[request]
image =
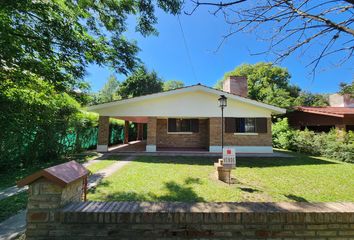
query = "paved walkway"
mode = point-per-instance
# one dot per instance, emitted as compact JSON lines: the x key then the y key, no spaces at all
{"x":16,"y":225}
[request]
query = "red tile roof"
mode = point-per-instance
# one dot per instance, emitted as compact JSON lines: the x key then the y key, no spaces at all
{"x":330,"y":111}
{"x":62,"y":174}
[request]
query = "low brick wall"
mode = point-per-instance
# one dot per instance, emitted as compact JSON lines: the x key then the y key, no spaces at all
{"x":143,"y":220}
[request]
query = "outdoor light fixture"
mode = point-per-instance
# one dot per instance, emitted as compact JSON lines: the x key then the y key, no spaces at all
{"x":222,"y":105}
{"x":222,"y":101}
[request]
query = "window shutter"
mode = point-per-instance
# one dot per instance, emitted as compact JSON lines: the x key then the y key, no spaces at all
{"x":261,"y":125}
{"x":230,"y":125}
{"x":195,"y":125}
{"x":240,"y":125}
{"x":172,"y":125}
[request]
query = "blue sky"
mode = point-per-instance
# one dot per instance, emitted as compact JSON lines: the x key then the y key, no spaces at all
{"x":167,"y":55}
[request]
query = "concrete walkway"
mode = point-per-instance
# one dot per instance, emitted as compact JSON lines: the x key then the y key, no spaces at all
{"x":16,"y":225}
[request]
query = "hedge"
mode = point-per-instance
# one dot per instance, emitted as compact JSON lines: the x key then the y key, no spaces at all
{"x":335,"y":144}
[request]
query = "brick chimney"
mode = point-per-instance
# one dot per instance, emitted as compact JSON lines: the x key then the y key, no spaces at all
{"x":236,"y":85}
{"x":337,"y":100}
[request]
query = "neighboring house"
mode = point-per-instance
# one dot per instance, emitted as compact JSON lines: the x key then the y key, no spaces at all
{"x":189,"y":118}
{"x":340,"y":115}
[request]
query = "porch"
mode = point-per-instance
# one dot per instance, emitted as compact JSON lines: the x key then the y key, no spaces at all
{"x":137,"y":148}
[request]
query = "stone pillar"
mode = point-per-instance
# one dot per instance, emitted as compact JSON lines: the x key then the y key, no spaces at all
{"x":126,"y":132}
{"x":45,"y":198}
{"x":215,"y":134}
{"x":140,"y":131}
{"x":151,"y":134}
{"x":103,"y":134}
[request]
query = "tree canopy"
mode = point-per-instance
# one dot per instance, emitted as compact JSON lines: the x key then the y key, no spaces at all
{"x":311,"y":99}
{"x":56,"y":40}
{"x":172,"y":84}
{"x":141,"y":82}
{"x":267,"y":83}
{"x":109,"y":91}
{"x":45,"y":47}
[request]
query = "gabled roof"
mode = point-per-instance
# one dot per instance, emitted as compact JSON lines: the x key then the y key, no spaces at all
{"x":197,"y":87}
{"x":329,"y":111}
{"x":62,"y":174}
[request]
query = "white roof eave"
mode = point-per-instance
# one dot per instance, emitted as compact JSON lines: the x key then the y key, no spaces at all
{"x":274,"y":109}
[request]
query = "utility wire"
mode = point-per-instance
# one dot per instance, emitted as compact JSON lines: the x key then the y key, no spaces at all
{"x":187,"y":50}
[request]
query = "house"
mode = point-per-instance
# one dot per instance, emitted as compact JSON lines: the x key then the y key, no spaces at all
{"x":339,"y":115}
{"x":189,"y":118}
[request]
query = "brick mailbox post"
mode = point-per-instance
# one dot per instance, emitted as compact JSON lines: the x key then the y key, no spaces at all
{"x":49,"y":190}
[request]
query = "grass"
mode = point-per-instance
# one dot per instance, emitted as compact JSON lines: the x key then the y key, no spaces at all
{"x":97,"y":166}
{"x":301,"y":178}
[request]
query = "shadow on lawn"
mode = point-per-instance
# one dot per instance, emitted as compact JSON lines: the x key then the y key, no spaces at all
{"x":175,"y":193}
{"x":240,"y":161}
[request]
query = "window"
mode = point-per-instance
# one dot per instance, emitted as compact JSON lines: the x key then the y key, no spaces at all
{"x":183,"y":125}
{"x":245,"y":125}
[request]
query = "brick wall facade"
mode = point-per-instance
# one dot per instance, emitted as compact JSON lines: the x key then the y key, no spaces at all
{"x":193,"y":140}
{"x":151,"y":131}
{"x":103,"y":130}
{"x":261,"y":139}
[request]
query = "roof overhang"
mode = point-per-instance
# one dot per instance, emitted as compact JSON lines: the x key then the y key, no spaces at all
{"x":193,"y":88}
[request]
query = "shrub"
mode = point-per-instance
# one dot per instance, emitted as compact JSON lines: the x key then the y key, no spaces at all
{"x":336,"y":144}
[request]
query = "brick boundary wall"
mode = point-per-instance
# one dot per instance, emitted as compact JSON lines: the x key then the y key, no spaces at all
{"x":56,"y":212}
{"x":143,"y":220}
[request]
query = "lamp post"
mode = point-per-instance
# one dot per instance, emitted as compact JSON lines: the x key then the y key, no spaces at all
{"x":222,"y":105}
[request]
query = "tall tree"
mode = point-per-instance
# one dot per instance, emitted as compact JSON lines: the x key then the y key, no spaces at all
{"x":290,"y":26}
{"x":267,"y":83}
{"x":141,"y":82}
{"x":311,"y":99}
{"x":172,"y":84}
{"x":109,"y":91}
{"x":57,"y":39}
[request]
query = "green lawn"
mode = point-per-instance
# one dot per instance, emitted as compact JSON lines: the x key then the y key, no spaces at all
{"x":301,"y":178}
{"x":97,"y":166}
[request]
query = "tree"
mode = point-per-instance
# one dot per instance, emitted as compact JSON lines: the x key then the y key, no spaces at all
{"x":141,"y":82}
{"x":311,"y":99}
{"x":267,"y":83}
{"x":172,"y":84}
{"x":293,"y":26}
{"x":56,"y":40}
{"x":109,"y":91}
{"x":346,"y":88}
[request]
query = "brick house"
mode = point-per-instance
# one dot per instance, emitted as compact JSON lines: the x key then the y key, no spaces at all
{"x":189,"y":118}
{"x":339,"y":115}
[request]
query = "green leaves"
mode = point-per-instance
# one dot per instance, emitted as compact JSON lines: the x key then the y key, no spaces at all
{"x":57,"y":39}
{"x":141,"y":82}
{"x":267,"y":83}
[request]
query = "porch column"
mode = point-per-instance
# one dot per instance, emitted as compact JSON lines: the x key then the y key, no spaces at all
{"x":139,"y":130}
{"x":126,"y":132}
{"x":215,"y":134}
{"x":151,"y":134}
{"x":103,"y":134}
